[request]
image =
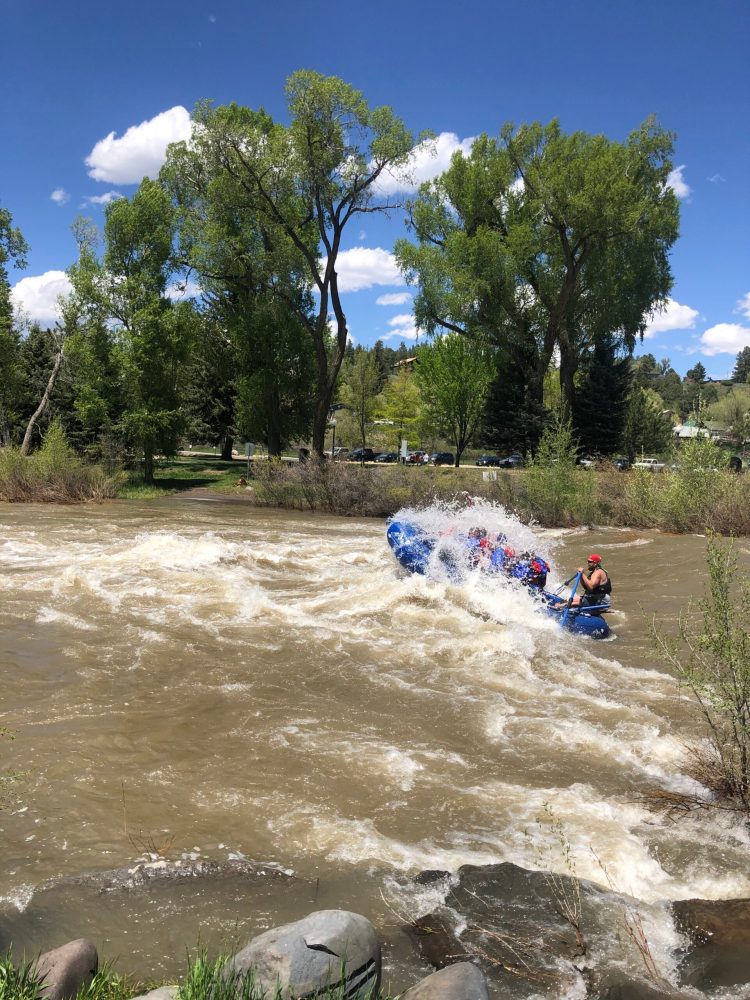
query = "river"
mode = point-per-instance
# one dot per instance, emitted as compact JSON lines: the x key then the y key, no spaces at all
{"x":211,"y":680}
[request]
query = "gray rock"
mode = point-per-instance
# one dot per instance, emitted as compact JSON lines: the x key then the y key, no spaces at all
{"x":65,"y":970}
{"x":718,"y":931}
{"x":324,"y":949}
{"x":163,"y":993}
{"x":462,"y":981}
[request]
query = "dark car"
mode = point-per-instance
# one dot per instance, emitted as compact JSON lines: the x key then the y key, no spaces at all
{"x":442,"y":458}
{"x":386,"y":456}
{"x":488,"y":460}
{"x":514,"y":461}
{"x":361,"y":455}
{"x":621,"y":463}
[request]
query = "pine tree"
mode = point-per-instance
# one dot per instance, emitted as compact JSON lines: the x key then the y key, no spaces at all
{"x":601,"y":400}
{"x":741,"y":372}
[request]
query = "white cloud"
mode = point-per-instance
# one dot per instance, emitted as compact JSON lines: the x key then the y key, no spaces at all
{"x":363,"y":267}
{"x":37,"y":296}
{"x":672,"y":317}
{"x":743,"y":306}
{"x":404,"y":328}
{"x":140,"y":152}
{"x":179,"y":290}
{"x":103,"y":199}
{"x":60,"y":196}
{"x":725,"y":338}
{"x":393,"y":299}
{"x":677,"y":182}
{"x":429,"y":159}
{"x":716,"y":178}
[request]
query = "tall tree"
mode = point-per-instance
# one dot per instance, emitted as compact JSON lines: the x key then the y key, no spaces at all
{"x":646,"y":429}
{"x":543,"y":241}
{"x":304,"y":184}
{"x":602,"y":399}
{"x":154,"y":333}
{"x":454,"y":374}
{"x":13,"y":250}
{"x":741,"y":371}
{"x":360,"y":385}
{"x":696,"y":374}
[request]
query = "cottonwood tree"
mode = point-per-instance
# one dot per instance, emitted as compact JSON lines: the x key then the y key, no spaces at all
{"x":153,"y":332}
{"x":543,"y":242}
{"x":360,"y":384}
{"x":303,"y":184}
{"x":454,"y":374}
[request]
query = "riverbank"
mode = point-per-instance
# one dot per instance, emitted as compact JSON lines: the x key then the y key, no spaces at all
{"x":676,"y":500}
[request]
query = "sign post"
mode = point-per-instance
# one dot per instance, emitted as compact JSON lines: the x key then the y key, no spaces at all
{"x":249,"y":449}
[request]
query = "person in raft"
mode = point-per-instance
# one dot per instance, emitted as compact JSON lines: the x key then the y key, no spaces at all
{"x":596,"y":583}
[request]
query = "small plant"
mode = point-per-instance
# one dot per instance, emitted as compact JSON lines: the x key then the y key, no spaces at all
{"x":711,"y":658}
{"x":18,"y":982}
{"x":565,"y":888}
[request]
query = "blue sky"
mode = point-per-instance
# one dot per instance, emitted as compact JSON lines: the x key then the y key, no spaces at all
{"x":76,"y":77}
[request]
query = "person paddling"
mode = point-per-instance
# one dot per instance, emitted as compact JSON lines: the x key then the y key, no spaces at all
{"x":596,"y":583}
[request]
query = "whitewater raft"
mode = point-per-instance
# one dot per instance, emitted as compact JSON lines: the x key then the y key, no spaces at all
{"x":420,"y":552}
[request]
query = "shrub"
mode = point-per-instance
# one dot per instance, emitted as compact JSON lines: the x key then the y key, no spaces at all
{"x":711,"y":657}
{"x":53,"y":474}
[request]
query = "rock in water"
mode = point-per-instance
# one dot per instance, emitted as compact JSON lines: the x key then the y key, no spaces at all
{"x":719,"y":935}
{"x":65,"y":970}
{"x":328,"y":948}
{"x":463,"y":981}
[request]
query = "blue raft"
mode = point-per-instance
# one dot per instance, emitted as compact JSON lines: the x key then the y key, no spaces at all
{"x":413,"y":548}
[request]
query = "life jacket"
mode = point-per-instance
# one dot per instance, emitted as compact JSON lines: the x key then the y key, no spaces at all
{"x":603,"y":589}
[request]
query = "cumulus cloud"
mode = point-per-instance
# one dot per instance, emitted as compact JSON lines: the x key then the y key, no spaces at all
{"x":103,"y":199}
{"x":60,"y":196}
{"x":672,"y":317}
{"x":404,"y":328}
{"x":184,"y":290}
{"x":36,"y":296}
{"x":677,"y":182}
{"x":141,"y":151}
{"x":725,"y":338}
{"x":743,"y":306}
{"x":428,"y":159}
{"x":363,"y":267}
{"x":393,"y":299}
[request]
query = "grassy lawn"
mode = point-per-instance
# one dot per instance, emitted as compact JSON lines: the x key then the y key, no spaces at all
{"x":184,"y":473}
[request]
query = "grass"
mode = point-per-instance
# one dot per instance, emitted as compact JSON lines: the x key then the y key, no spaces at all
{"x":184,"y":473}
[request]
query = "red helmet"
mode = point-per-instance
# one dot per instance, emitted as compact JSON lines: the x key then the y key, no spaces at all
{"x":595,"y":559}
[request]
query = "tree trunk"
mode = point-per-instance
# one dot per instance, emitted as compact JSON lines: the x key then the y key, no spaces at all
{"x":226,"y":448}
{"x":26,"y":445}
{"x":273,"y":432}
{"x":568,"y":367}
{"x":148,"y":464}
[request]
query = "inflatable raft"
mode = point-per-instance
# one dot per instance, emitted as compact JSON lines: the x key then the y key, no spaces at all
{"x":420,"y":552}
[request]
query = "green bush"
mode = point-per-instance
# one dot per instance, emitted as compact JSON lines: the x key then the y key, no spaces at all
{"x":54,"y":474}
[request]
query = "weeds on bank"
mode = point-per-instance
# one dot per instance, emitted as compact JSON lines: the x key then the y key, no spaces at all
{"x":710,"y":655}
{"x":53,"y":474}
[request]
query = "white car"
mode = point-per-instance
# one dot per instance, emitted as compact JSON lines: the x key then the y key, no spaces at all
{"x":652,"y":464}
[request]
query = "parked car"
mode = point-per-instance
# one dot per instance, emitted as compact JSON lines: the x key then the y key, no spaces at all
{"x":387,"y":456}
{"x":652,"y":464}
{"x":442,"y":458}
{"x":416,"y":457}
{"x":514,"y":461}
{"x":361,"y":455}
{"x":586,"y":461}
{"x":340,"y":452}
{"x":488,"y":460}
{"x":621,"y":463}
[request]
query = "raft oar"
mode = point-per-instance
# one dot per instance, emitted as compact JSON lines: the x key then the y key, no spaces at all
{"x":570,"y":600}
{"x":565,"y":583}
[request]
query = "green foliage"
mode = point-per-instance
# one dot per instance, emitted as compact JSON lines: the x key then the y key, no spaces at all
{"x":647,"y":429}
{"x":454,"y":373}
{"x":401,"y":401}
{"x":361,"y":378}
{"x":54,"y":473}
{"x":13,"y":251}
{"x":741,"y":370}
{"x":711,"y":658}
{"x":557,"y":492}
{"x":17,"y":982}
{"x":601,"y":402}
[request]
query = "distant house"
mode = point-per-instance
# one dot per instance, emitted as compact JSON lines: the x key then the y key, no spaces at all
{"x":711,"y":429}
{"x":407,"y":363}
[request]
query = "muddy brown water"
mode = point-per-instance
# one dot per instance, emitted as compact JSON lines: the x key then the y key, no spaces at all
{"x":198,"y":680}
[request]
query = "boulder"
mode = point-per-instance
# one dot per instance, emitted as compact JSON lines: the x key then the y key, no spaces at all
{"x":63,"y":971}
{"x":328,"y":948}
{"x":718,"y":932}
{"x":462,"y":981}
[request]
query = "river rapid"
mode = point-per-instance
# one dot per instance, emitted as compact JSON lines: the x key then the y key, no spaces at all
{"x":196,"y":678}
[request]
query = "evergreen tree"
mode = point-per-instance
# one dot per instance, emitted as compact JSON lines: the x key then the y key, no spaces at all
{"x":647,"y":429}
{"x":697,"y":374}
{"x":13,"y":250}
{"x":601,"y":402}
{"x":513,"y":416}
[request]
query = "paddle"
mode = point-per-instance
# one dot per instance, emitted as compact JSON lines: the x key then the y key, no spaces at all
{"x":565,"y":583}
{"x":570,"y":600}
